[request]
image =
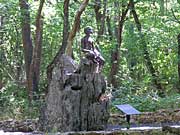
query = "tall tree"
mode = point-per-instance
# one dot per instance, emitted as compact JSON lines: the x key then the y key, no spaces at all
{"x":109,"y":27}
{"x":147,"y":58}
{"x":36,"y":58}
{"x":27,"y":40}
{"x":115,"y":56}
{"x":32,"y":57}
{"x":64,"y":41}
{"x":178,"y":41}
{"x":68,"y":37}
{"x":1,"y":41}
{"x":1,"y":25}
{"x":97,"y":9}
{"x":75,"y":27}
{"x":100,"y":11}
{"x":162,"y":7}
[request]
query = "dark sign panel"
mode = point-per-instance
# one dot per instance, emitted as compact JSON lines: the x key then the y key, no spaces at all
{"x":127,"y":109}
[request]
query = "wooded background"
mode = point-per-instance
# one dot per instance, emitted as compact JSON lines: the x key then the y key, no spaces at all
{"x":139,"y":39}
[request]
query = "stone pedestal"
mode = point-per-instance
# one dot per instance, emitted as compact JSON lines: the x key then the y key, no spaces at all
{"x":72,"y":102}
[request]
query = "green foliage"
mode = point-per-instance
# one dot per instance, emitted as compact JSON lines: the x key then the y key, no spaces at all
{"x":178,"y":1}
{"x":14,"y":103}
{"x":148,"y":101}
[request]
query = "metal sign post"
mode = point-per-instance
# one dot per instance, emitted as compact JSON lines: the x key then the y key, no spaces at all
{"x":128,"y":110}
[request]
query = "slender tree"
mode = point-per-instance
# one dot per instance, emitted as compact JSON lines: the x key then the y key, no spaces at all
{"x":147,"y":58}
{"x":178,"y":41}
{"x":64,"y":42}
{"x":1,"y":26}
{"x":115,"y":56}
{"x":36,"y":58}
{"x":27,"y":41}
{"x":162,"y":7}
{"x":100,"y":16}
{"x":68,"y":37}
{"x":1,"y":42}
{"x":75,"y":27}
{"x":109,"y":27}
{"x":32,"y":57}
{"x":97,"y":9}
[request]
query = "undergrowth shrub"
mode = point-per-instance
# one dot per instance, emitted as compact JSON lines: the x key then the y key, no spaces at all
{"x":149,"y":101}
{"x":14,"y":103}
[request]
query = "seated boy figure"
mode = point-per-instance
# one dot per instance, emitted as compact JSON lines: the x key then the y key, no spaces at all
{"x":91,"y":52}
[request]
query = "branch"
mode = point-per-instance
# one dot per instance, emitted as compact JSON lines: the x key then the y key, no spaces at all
{"x":121,"y":23}
{"x":38,"y":38}
{"x":65,"y":27}
{"x":75,"y":27}
{"x":67,"y":37}
{"x":177,"y":20}
{"x":101,"y":31}
{"x":136,"y":19}
{"x":34,"y":73}
{"x":26,"y":34}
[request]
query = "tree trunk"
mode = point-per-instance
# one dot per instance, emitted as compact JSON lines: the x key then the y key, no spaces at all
{"x":162,"y":7}
{"x":146,"y":53}
{"x":100,"y":17}
{"x":64,"y":43}
{"x":32,"y":57}
{"x":115,"y":56}
{"x":36,"y":61}
{"x":109,"y":27}
{"x":1,"y":83}
{"x":65,"y":27}
{"x":27,"y":41}
{"x":1,"y":53}
{"x":178,"y":38}
{"x":75,"y":27}
{"x":1,"y":26}
{"x":97,"y":8}
{"x":102,"y":27}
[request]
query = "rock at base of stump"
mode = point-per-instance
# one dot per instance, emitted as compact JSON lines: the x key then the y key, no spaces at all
{"x":72,"y":102}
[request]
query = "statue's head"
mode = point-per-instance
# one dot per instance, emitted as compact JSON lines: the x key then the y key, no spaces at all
{"x":88,"y":30}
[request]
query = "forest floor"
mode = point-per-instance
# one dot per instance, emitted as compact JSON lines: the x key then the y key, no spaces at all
{"x":117,"y":122}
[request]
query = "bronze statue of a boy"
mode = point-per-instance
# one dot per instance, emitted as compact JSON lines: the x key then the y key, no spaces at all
{"x":90,"y":50}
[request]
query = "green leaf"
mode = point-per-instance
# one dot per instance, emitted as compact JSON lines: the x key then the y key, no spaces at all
{"x":178,"y":1}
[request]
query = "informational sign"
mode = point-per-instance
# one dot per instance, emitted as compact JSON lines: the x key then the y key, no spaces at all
{"x":127,"y":109}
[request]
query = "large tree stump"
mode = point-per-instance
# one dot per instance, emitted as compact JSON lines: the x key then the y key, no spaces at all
{"x":72,"y":102}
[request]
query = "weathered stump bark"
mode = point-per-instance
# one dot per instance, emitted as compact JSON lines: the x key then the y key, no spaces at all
{"x":72,"y":102}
